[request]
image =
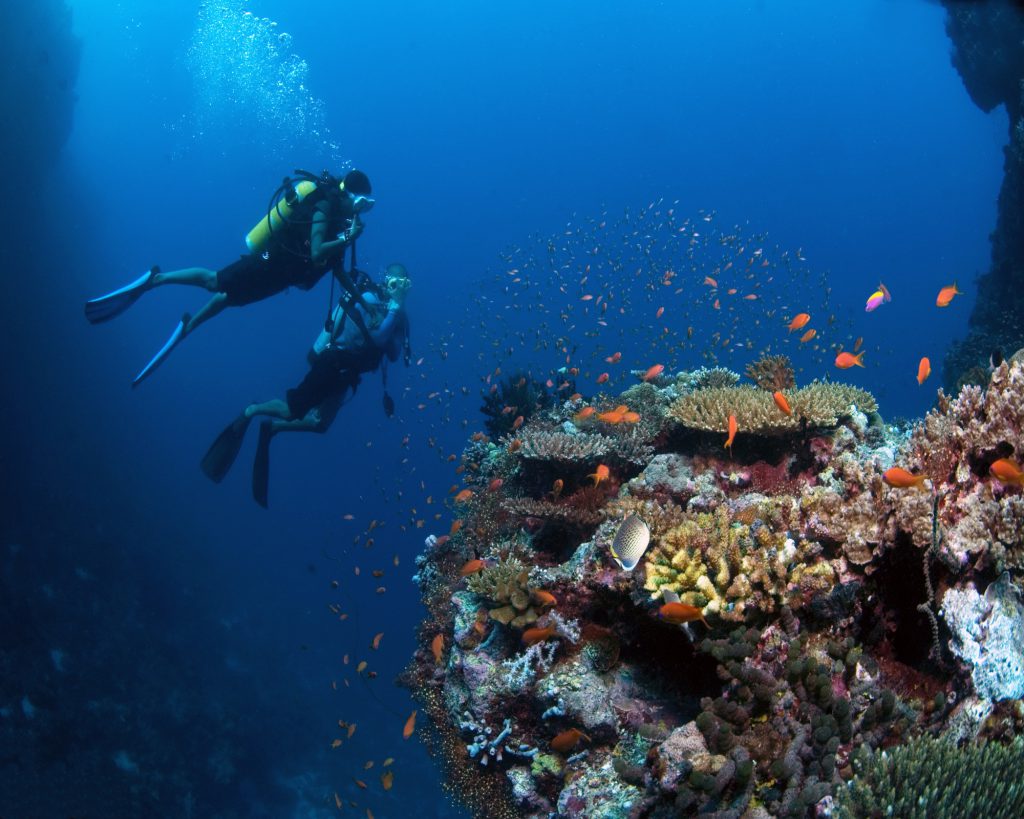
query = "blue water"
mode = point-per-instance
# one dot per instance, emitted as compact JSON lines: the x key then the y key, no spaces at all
{"x":193,"y":627}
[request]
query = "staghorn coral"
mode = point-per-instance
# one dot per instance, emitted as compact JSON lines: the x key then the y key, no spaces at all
{"x":817,"y":405}
{"x":934,"y":778}
{"x":736,"y":569}
{"x":561,"y":447}
{"x":772,"y":372}
{"x":507,"y":585}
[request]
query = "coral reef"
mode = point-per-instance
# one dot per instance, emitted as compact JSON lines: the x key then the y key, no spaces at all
{"x":935,"y":779}
{"x":819,"y":614}
{"x":772,"y":372}
{"x":518,"y":396}
{"x":816,"y":405}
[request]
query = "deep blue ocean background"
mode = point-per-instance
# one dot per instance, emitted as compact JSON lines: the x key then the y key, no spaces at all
{"x":191,"y":628}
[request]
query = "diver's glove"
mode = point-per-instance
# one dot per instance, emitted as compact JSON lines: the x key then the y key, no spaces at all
{"x":353,"y":232}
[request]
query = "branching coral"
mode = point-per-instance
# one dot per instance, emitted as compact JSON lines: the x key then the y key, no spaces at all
{"x":772,"y":372}
{"x":734,"y":569}
{"x":561,"y":447}
{"x":506,"y":584}
{"x":934,"y":778}
{"x":564,"y":514}
{"x":711,"y":377}
{"x":817,"y":405}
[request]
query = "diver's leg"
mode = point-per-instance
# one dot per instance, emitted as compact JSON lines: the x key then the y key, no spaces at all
{"x":212,"y":308}
{"x":275,"y":408}
{"x":194,"y":276}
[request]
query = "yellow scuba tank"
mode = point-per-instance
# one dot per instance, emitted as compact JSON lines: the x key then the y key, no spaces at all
{"x":259,"y":237}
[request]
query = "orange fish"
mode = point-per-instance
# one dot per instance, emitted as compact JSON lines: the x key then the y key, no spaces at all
{"x":710,"y":282}
{"x":614,"y":358}
{"x":782,"y":403}
{"x":679,"y":613}
{"x":798,"y":322}
{"x":630,"y":417}
{"x":808,"y":335}
{"x":584,"y":414}
{"x":493,"y":486}
{"x":1007,"y":471}
{"x":538,"y":634}
{"x":457,"y":524}
{"x":556,"y":488}
{"x":717,"y":305}
{"x":846,"y":360}
{"x":437,"y":648}
{"x":924,"y":369}
{"x":410,"y":726}
{"x":387,"y":780}
{"x":857,"y":343}
{"x":567,"y":740}
{"x":660,"y":313}
{"x":517,"y":423}
{"x":514,"y":445}
{"x":653,"y":372}
{"x":610,"y":417}
{"x":946,"y":295}
{"x":544,"y":598}
{"x":471,"y":567}
{"x":602,"y":378}
{"x":600,"y":474}
{"x":733,"y":429}
{"x":901,"y":479}
{"x":464,"y":496}
{"x":376,"y":640}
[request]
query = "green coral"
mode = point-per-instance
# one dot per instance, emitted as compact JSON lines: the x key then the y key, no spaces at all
{"x":546,"y":764}
{"x":818,"y":405}
{"x":933,"y":778}
{"x":507,"y":585}
{"x":733,"y":567}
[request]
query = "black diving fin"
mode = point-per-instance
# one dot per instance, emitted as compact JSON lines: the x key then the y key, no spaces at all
{"x":221,"y":455}
{"x":261,"y":466}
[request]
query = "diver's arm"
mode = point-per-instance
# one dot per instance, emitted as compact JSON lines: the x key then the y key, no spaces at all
{"x":321,"y":249}
{"x":381,"y":334}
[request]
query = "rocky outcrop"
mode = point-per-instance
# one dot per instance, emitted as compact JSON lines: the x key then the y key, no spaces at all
{"x":988,"y":53}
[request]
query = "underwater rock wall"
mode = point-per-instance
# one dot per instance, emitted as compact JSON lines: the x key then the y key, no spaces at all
{"x":37,"y":86}
{"x":988,"y":53}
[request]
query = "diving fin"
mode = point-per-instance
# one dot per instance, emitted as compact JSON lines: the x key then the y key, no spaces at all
{"x":222,"y":452}
{"x":158,"y":359}
{"x":114,"y":304}
{"x":261,"y":466}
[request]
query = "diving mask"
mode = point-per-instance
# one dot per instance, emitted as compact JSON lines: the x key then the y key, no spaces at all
{"x":361,"y":204}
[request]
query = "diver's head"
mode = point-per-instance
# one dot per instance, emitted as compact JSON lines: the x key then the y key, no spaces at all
{"x":397,"y":282}
{"x":357,"y":185}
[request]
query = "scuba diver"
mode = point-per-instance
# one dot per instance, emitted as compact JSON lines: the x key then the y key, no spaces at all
{"x":362,"y":334}
{"x":310,"y":223}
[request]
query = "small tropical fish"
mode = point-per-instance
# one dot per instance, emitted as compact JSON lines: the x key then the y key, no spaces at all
{"x":602,"y":473}
{"x":846,"y":360}
{"x":781,"y":402}
{"x":1007,"y":471}
{"x":946,"y":295}
{"x":351,"y":730}
{"x":924,"y":369}
{"x":878,"y":298}
{"x":610,"y":417}
{"x":899,"y":478}
{"x":653,"y":372}
{"x":495,"y":485}
{"x":538,"y":634}
{"x":660,"y":313}
{"x":799,"y":321}
{"x":544,"y":598}
{"x":376,"y":640}
{"x":464,"y":496}
{"x":631,"y":541}
{"x":556,"y":488}
{"x":567,"y":740}
{"x":857,"y":343}
{"x":471,"y":567}
{"x":808,"y":335}
{"x":733,"y":429}
{"x":630,"y":417}
{"x":457,"y":524}
{"x":514,"y":445}
{"x":614,"y":358}
{"x":517,"y":423}
{"x":437,"y":648}
{"x":410,"y":726}
{"x":710,"y":282}
{"x":387,"y":779}
{"x":584,"y":414}
{"x":361,"y":667}
{"x":679,"y":613}
{"x":602,"y":378}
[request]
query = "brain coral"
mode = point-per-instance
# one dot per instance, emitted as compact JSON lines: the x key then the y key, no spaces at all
{"x":822,"y":405}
